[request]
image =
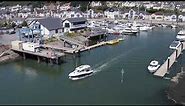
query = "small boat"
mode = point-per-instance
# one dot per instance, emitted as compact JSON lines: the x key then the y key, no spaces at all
{"x":80,"y":72}
{"x":120,"y":39}
{"x":129,"y":31}
{"x":154,"y":65}
{"x":175,"y":45}
{"x":164,"y":25}
{"x":173,"y":26}
{"x":181,"y":35}
{"x":113,"y":41}
{"x":144,"y":28}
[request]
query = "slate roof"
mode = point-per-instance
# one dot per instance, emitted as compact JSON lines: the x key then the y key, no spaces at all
{"x":51,"y":23}
{"x":79,"y":19}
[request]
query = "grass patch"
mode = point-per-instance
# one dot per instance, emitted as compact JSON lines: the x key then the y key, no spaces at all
{"x":49,"y":40}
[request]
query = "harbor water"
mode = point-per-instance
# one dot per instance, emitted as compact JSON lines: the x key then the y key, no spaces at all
{"x":29,"y":82}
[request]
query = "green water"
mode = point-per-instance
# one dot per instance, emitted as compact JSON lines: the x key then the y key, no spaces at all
{"x":27,"y":82}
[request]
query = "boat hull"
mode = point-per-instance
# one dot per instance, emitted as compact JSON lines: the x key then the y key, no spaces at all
{"x":153,"y":69}
{"x":80,"y":76}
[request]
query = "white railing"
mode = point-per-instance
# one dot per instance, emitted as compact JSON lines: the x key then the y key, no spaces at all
{"x":78,"y":26}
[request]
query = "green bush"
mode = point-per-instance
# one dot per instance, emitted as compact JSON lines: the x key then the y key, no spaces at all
{"x":70,"y":34}
{"x":52,"y":39}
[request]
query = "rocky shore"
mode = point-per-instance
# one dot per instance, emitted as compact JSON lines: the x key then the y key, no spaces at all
{"x":6,"y":54}
{"x":176,"y":90}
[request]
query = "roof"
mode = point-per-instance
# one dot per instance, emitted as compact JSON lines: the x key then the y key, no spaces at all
{"x":159,"y":13}
{"x":51,"y":23}
{"x":82,"y":67}
{"x":79,"y":19}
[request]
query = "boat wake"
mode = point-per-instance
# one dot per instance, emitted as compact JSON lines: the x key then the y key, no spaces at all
{"x":109,"y":62}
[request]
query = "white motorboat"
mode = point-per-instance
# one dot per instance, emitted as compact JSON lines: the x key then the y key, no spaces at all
{"x":164,"y":25}
{"x":154,"y":65}
{"x":143,"y":28}
{"x":80,"y":72}
{"x":173,"y":26}
{"x":129,"y":31}
{"x":175,"y":45}
{"x":181,"y":35}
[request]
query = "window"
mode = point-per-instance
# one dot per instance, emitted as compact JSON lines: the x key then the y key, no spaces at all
{"x":72,"y":15}
{"x":56,"y":31}
{"x":67,"y":25}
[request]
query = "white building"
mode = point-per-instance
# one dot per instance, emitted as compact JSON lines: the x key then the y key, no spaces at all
{"x":95,"y":4}
{"x":74,"y":24}
{"x":71,"y":14}
{"x":48,"y":26}
{"x":112,"y":13}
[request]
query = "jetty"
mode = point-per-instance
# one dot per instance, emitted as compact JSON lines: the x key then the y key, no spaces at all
{"x":163,"y":69}
{"x":41,"y":53}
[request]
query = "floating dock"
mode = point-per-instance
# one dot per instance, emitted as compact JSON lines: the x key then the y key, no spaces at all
{"x":163,"y":69}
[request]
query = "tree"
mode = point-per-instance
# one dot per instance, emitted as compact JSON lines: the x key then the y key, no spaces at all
{"x":151,"y":10}
{"x":24,"y":23}
{"x":13,"y":25}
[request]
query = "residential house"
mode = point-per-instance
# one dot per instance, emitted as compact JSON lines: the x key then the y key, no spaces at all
{"x":24,"y":14}
{"x":90,"y":13}
{"x":49,"y":26}
{"x":157,"y":6}
{"x":74,"y":24}
{"x":73,"y":13}
{"x":182,"y":8}
{"x":170,"y":16}
{"x":95,"y":4}
{"x":157,"y":16}
{"x":112,"y":13}
{"x":18,"y":21}
{"x":39,"y":12}
{"x":147,"y":5}
{"x":15,"y":8}
{"x":132,"y":14}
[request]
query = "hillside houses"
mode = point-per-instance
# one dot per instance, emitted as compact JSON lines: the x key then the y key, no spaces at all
{"x":116,"y":10}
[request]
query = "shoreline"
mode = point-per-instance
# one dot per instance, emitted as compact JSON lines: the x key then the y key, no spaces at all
{"x":6,"y":54}
{"x":175,"y":91}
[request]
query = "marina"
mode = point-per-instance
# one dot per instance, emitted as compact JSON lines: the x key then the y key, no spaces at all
{"x":92,"y":52}
{"x":133,"y":55}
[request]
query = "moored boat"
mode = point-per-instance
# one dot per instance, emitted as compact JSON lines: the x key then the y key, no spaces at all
{"x":153,"y":66}
{"x":113,"y":41}
{"x":129,"y":31}
{"x":181,"y":35}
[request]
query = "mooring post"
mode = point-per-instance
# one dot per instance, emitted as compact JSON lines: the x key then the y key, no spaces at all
{"x":176,"y":52}
{"x":168,"y":63}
